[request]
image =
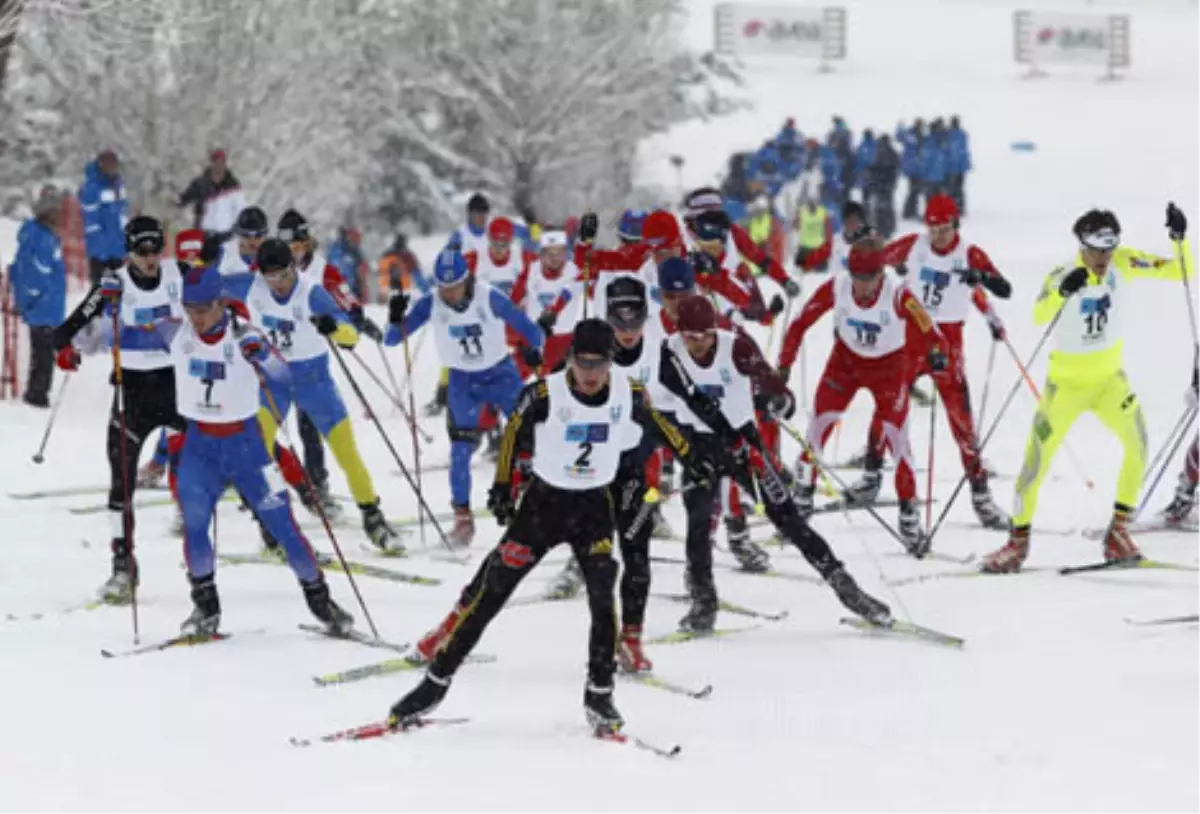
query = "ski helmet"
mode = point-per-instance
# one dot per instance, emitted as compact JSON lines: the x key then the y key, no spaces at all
{"x":450,"y":268}
{"x":273,"y":255}
{"x":630,"y":226}
{"x":201,"y":285}
{"x":501,"y":230}
{"x":292,"y":227}
{"x":251,"y":222}
{"x":626,"y":298}
{"x":144,"y":233}
{"x":941,"y":209}
{"x":478,"y":203}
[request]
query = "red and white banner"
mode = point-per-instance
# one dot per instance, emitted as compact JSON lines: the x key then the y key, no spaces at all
{"x":798,"y":31}
{"x":1045,"y":38}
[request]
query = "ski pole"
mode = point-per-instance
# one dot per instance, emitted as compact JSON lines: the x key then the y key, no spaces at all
{"x":1191,"y":414}
{"x":424,"y":505}
{"x":127,"y":508}
{"x":829,"y":473}
{"x":408,"y":417}
{"x":1183,"y":266}
{"x":39,"y":456}
{"x":1183,"y":419}
{"x":1022,"y":377}
{"x":929,"y":463}
{"x":412,"y":414}
{"x":1037,"y":394}
{"x":337,"y":549}
{"x":987,"y":385}
{"x":408,"y":381}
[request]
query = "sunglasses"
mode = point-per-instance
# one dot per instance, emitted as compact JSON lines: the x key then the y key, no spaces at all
{"x":1104,"y":240}
{"x":627,"y":321}
{"x":147,"y":251}
{"x":592,"y":362}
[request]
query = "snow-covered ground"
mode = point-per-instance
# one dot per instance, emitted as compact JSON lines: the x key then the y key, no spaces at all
{"x":1055,"y":703}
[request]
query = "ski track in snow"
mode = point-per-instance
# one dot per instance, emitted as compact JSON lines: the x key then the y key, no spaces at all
{"x":1055,"y":703}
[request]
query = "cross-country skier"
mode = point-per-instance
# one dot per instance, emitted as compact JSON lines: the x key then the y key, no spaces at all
{"x":249,"y":231}
{"x":152,"y":290}
{"x":945,"y":272}
{"x":579,"y":422}
{"x":1086,"y":373}
{"x":298,"y":315}
{"x":551,"y":293}
{"x":729,"y":367}
{"x":500,"y":264}
{"x":879,"y":326}
{"x":218,"y":364}
{"x":469,"y":317}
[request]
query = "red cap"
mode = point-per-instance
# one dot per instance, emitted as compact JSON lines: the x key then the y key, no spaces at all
{"x":188,"y":244}
{"x":660,"y":229}
{"x":696,"y":315}
{"x":940,"y":209}
{"x":217,"y":155}
{"x":865,"y":261}
{"x":501,"y":230}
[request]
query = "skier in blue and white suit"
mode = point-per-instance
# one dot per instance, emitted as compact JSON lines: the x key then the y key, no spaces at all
{"x":219,"y":364}
{"x":469,"y":317}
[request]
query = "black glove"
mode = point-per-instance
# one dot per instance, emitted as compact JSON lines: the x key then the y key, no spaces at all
{"x":701,"y":468}
{"x":781,"y":405}
{"x":397,"y":308}
{"x":901,"y":269}
{"x":368,"y":328}
{"x":735,"y":459}
{"x":792,"y":289}
{"x":589,"y":224}
{"x":801,"y":256}
{"x":546,"y":322}
{"x":500,"y":503}
{"x":703,"y":262}
{"x":937,"y":360}
{"x":1074,"y":281}
{"x":210,"y":252}
{"x":326,"y":324}
{"x":971,"y":276}
{"x":531,"y":356}
{"x":777,"y":305}
{"x":1176,"y":222}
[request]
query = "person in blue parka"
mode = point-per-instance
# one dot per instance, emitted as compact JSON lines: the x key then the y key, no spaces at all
{"x":39,"y":285}
{"x":105,"y":212}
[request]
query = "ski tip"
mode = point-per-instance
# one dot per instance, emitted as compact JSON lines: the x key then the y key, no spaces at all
{"x":703,"y":692}
{"x":108,"y":654}
{"x":299,"y":742}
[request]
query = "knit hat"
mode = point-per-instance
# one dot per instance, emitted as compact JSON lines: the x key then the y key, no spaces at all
{"x":593,"y":336}
{"x":696,"y":315}
{"x":201,"y":285}
{"x":676,"y":274}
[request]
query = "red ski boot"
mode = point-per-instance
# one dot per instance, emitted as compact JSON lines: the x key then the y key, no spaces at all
{"x":630,"y":657}
{"x":435,"y":640}
{"x":1009,"y":558}
{"x":464,"y":527}
{"x":1118,"y":545}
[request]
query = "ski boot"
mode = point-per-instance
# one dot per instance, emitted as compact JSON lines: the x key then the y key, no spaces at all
{"x":316,"y":594}
{"x":662,"y":529}
{"x":569,"y":581}
{"x":463,"y":532}
{"x":804,"y":496}
{"x":749,"y":554}
{"x":915,"y":540}
{"x":321,"y":497}
{"x":151,"y":475}
{"x":702,"y":616}
{"x":1009,"y":558}
{"x":119,"y":587}
{"x":856,"y":461}
{"x":990,"y":515}
{"x":436,"y":639}
{"x":206,"y":608}
{"x":602,"y":716}
{"x":1182,"y":505}
{"x":1118,"y":545}
{"x":438,"y":405}
{"x":865,"y":490}
{"x":419,"y":702}
{"x":630,"y":657}
{"x":381,"y":534}
{"x":856,"y":600}
{"x":666,"y":485}
{"x":920,"y":397}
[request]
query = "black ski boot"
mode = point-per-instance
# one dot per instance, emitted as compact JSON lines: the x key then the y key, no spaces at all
{"x":856,"y":600}
{"x":702,"y":616}
{"x":376,"y":526}
{"x":915,"y":540}
{"x":316,"y":594}
{"x":420,"y":700}
{"x":602,"y":716}
{"x":331,"y":507}
{"x":119,"y":587}
{"x":749,"y":554}
{"x":990,"y":515}
{"x":438,"y":405}
{"x":206,"y":611}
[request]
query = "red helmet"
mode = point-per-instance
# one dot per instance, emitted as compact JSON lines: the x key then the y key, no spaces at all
{"x":500,"y":230}
{"x":941,"y":209}
{"x":696,"y":315}
{"x":660,"y":229}
{"x":188,"y":244}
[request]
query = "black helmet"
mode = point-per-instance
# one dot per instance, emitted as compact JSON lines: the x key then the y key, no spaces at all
{"x":144,"y":232}
{"x":273,"y":254}
{"x":292,"y":227}
{"x":478,"y":203}
{"x":251,"y":222}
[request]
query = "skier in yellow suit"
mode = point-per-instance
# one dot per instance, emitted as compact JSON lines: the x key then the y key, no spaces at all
{"x":1086,"y":374}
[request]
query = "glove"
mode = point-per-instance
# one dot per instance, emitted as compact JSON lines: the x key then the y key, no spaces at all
{"x":701,"y":468}
{"x":777,"y":305}
{"x":115,"y":263}
{"x":110,"y":288}
{"x":1074,"y":281}
{"x":997,"y":329}
{"x":901,"y":269}
{"x":67,"y":358}
{"x":785,"y":373}
{"x":937,"y":360}
{"x":369,"y":329}
{"x":779,"y":405}
{"x":546,"y":322}
{"x":252,"y":347}
{"x":532,"y":357}
{"x":500,"y":503}
{"x":792,"y":289}
{"x":971,"y":276}
{"x":801,"y":257}
{"x":703,"y":262}
{"x":326,"y":324}
{"x":589,"y":224}
{"x":1176,"y":222}
{"x":397,"y":308}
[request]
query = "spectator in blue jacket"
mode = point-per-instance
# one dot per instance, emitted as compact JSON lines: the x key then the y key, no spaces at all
{"x":864,"y":157}
{"x":788,"y":134}
{"x":347,"y":256}
{"x":911,"y":139}
{"x":105,"y":211}
{"x":39,"y":286}
{"x":958,"y":162}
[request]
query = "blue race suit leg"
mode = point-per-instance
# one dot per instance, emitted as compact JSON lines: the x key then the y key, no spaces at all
{"x":200,"y":486}
{"x":464,"y":401}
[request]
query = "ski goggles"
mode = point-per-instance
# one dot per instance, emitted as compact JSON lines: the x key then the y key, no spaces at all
{"x":591,"y":361}
{"x":627,"y":318}
{"x":1102,"y":240}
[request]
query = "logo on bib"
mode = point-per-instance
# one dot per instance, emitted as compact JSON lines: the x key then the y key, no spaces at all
{"x":714,"y":391}
{"x":933,"y":277}
{"x":587,"y":434}
{"x":144,"y":316}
